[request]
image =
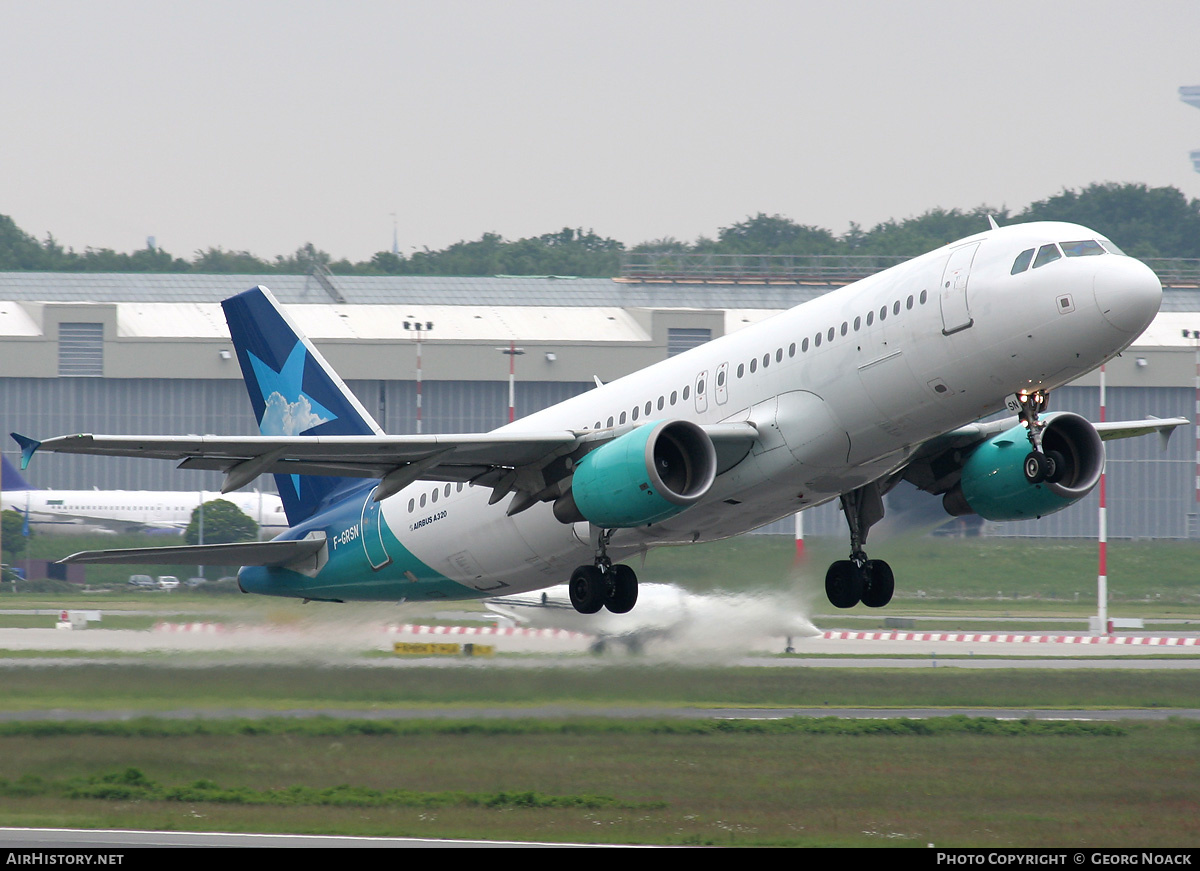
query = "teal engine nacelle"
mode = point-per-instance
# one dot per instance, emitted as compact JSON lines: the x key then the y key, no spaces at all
{"x":644,"y":476}
{"x":993,"y":483}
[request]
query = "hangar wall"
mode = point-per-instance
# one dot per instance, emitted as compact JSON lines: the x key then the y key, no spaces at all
{"x":1150,"y":490}
{"x":165,"y":373}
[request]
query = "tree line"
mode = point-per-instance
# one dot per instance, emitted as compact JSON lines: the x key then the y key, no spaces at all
{"x":1146,"y":222}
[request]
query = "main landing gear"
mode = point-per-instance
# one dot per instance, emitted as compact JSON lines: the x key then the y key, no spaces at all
{"x":1040,"y":464}
{"x":859,"y":579}
{"x":602,"y":584}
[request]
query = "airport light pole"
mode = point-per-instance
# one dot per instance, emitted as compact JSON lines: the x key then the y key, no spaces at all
{"x":513,"y":352}
{"x":419,"y":328}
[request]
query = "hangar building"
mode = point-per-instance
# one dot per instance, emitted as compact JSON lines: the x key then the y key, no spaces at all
{"x":149,"y":353}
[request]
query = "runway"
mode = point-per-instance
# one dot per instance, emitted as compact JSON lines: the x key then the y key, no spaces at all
{"x":544,"y":647}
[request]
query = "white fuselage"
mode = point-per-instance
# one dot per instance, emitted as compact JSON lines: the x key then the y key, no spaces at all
{"x":842,"y":390}
{"x":53,"y":511}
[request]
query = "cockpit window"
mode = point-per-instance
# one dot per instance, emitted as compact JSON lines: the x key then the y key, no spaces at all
{"x":1086,"y":248}
{"x":1113,"y":249}
{"x":1046,"y":254}
{"x":1022,"y":261}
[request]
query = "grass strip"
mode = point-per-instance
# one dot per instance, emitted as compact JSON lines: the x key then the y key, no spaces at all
{"x":146,"y":688}
{"x":330,"y":727}
{"x":132,"y":785}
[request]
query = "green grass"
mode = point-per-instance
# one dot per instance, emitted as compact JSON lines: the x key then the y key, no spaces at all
{"x":631,"y":780}
{"x":931,"y":572}
{"x":175,"y":683}
{"x":1132,"y":785}
{"x":1059,"y":573}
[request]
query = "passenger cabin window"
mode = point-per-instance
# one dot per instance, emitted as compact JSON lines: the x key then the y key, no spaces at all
{"x":1086,"y":248}
{"x":1022,"y":261}
{"x":1046,"y":254}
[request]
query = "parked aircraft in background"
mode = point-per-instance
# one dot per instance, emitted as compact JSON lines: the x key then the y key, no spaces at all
{"x":839,"y":398}
{"x":664,"y":613}
{"x":77,"y":511}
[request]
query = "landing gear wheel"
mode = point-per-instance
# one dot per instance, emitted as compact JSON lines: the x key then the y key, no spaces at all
{"x":588,"y":589}
{"x":1036,"y":467}
{"x":624,"y":593}
{"x":843,"y":584}
{"x":1056,"y":466}
{"x":880,"y":584}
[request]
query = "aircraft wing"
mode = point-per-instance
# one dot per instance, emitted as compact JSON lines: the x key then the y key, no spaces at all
{"x":253,"y":553}
{"x":934,"y":466}
{"x":1125,"y":429}
{"x":528,"y":462}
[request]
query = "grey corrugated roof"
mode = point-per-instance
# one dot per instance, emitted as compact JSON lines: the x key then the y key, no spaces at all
{"x":398,"y":290}
{"x":1179,"y":299}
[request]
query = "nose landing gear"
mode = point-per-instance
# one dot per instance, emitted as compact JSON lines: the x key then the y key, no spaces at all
{"x":1040,"y":465}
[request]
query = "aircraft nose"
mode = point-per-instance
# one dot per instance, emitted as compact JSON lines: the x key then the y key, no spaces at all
{"x":1127,"y":292}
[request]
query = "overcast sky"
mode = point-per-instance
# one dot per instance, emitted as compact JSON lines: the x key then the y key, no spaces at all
{"x":260,"y":126}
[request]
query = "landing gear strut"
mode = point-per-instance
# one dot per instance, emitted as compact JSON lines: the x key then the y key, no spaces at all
{"x":859,"y":579}
{"x":602,"y":584}
{"x":1040,"y":465}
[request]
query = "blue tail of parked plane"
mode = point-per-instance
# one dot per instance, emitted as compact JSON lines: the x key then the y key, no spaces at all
{"x":293,"y":392}
{"x":10,"y":478}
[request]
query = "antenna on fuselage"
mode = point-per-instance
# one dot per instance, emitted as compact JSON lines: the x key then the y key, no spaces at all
{"x":992,"y":221}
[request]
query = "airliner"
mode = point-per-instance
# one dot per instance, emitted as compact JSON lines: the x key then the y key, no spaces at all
{"x":664,"y":613}
{"x":840,"y":398}
{"x":111,"y":511}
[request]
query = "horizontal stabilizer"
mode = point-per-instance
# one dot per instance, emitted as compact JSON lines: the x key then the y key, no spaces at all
{"x":254,"y":553}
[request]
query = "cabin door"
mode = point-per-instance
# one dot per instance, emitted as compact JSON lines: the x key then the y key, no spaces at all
{"x":372,"y":533}
{"x":956,"y":315}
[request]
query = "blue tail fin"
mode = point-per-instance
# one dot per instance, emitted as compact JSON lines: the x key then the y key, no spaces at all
{"x":294,"y":392}
{"x":10,"y":478}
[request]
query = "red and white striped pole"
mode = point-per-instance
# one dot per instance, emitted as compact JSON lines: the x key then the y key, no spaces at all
{"x":512,"y":381}
{"x":799,"y":558}
{"x":418,"y":327}
{"x":513,"y":352}
{"x":1195,"y":335}
{"x":1102,"y":579}
{"x":418,"y":380}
